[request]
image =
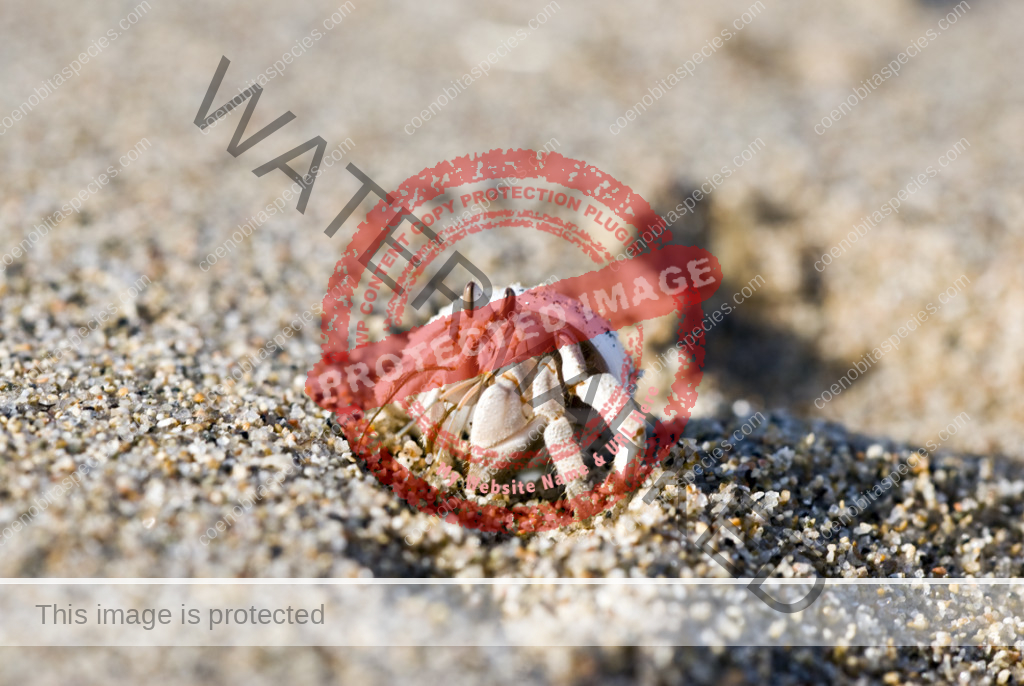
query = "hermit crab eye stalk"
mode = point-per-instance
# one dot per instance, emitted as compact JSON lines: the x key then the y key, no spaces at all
{"x":469,"y":298}
{"x":509,"y":303}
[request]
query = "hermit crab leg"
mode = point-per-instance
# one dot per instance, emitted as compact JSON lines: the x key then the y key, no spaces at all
{"x":430,"y":399}
{"x":481,"y":384}
{"x":458,"y":386}
{"x":558,"y":434}
{"x":609,"y":399}
{"x":420,"y":411}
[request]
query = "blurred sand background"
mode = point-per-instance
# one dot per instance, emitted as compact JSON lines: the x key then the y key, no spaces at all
{"x":774,"y":217}
{"x":364,"y":80}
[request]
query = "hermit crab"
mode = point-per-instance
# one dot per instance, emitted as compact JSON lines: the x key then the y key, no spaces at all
{"x":513,"y":398}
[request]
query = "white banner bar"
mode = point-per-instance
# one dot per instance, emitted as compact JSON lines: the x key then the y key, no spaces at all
{"x":499,"y":612}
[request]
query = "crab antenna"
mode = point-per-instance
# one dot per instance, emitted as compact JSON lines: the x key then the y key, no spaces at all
{"x":509,"y":303}
{"x":469,"y":298}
